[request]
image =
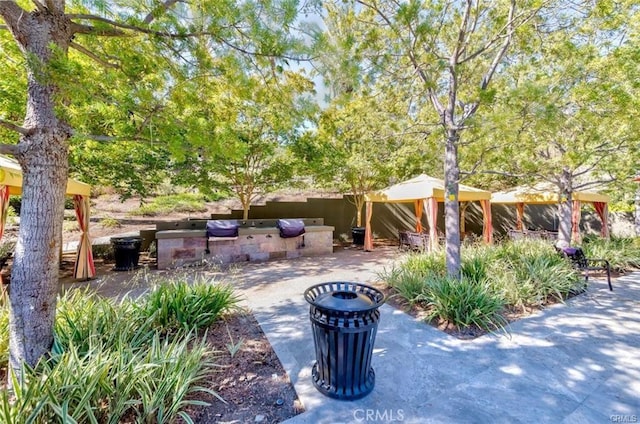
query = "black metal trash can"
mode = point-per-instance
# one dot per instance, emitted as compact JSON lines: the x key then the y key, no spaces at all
{"x":126,"y":251}
{"x":357,"y":233}
{"x":344,"y":319}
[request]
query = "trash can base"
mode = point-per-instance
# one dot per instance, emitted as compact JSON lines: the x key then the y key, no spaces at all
{"x":337,"y":393}
{"x":125,"y":268}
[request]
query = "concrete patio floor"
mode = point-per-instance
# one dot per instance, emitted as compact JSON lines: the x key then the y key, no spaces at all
{"x":577,"y":362}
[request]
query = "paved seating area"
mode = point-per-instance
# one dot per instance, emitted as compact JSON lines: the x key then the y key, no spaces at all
{"x":572,"y":363}
{"x":577,"y":362}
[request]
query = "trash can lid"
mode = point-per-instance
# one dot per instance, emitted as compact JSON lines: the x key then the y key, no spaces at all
{"x":342,"y":300}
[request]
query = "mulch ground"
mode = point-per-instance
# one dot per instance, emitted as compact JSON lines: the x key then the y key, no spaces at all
{"x":252,"y":381}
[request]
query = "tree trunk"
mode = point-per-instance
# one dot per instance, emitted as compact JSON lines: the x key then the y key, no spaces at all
{"x":359,"y":201}
{"x":451,"y":205}
{"x":637,"y":212}
{"x":44,"y":160}
{"x":565,"y":208}
{"x":245,"y":210}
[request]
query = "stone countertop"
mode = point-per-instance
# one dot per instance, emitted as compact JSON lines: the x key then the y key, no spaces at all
{"x":169,"y":234}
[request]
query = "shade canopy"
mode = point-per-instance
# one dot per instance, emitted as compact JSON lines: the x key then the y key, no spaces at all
{"x":425,"y":192}
{"x":424,"y":187}
{"x":543,"y":194}
{"x":11,"y":176}
{"x":547,"y":194}
{"x":11,"y":183}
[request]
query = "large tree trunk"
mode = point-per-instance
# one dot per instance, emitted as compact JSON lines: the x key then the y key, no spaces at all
{"x":451,"y":205}
{"x":43,"y":155}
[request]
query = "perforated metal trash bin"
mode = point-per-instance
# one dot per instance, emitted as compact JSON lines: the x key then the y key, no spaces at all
{"x":126,"y":251}
{"x":344,"y":319}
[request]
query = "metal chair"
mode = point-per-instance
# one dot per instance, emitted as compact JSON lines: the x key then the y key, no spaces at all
{"x":413,"y":241}
{"x":584,"y":264}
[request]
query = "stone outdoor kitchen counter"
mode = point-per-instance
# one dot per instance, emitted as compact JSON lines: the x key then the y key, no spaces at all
{"x":184,"y":246}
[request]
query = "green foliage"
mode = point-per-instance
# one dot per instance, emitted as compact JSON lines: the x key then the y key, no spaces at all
{"x":516,"y":274}
{"x":6,"y":248}
{"x":233,"y":347}
{"x":533,"y":274}
{"x":84,"y":319}
{"x":179,"y":305}
{"x":110,"y":384}
{"x":411,"y":278}
{"x":175,"y":203}
{"x":464,"y":303}
{"x":109,"y":222}
{"x":622,"y":253}
{"x":135,"y":360}
{"x":408,"y":285}
{"x":4,"y":330}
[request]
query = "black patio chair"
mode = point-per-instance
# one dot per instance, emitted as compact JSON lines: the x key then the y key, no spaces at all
{"x":413,"y":241}
{"x":584,"y":264}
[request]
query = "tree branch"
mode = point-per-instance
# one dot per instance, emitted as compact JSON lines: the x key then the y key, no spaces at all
{"x":39,"y":5}
{"x":9,"y":149}
{"x":92,"y":55}
{"x":594,"y":183}
{"x":118,"y":28}
{"x":162,"y":8}
{"x":109,"y":138}
{"x":11,"y":13}
{"x":14,"y":127}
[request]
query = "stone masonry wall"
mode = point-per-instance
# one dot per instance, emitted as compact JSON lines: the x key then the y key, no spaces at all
{"x":174,"y":252}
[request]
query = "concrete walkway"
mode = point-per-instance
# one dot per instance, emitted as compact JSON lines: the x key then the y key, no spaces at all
{"x":572,"y":363}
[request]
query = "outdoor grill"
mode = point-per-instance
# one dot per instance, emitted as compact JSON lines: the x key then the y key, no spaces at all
{"x":290,"y":227}
{"x":219,"y":228}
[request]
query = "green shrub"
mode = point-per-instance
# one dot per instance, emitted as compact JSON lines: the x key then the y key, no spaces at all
{"x":426,"y":264}
{"x":464,"y":303}
{"x":623,"y":253}
{"x":178,"y":305}
{"x":84,"y":318}
{"x":4,"y":335}
{"x":476,"y":264}
{"x":109,"y":222}
{"x":110,"y":363}
{"x":518,"y":274}
{"x":110,"y":385}
{"x":165,"y":205}
{"x":408,"y":285}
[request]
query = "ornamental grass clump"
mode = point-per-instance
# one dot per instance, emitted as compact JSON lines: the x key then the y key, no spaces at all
{"x":179,"y":305}
{"x":464,"y":303}
{"x":623,"y":253}
{"x":107,"y":385}
{"x":119,"y":361}
{"x":4,"y":334}
{"x":83,"y":318}
{"x":517,"y":274}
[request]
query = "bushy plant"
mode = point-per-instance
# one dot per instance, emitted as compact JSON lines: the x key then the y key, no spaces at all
{"x":518,"y":274}
{"x":120,"y":361}
{"x":179,"y":305}
{"x":4,"y":334}
{"x":84,"y":318}
{"x":623,"y":253}
{"x":110,"y":222}
{"x":464,"y":303}
{"x":425,"y":264}
{"x":110,"y":385}
{"x":164,"y":205}
{"x":408,"y":285}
